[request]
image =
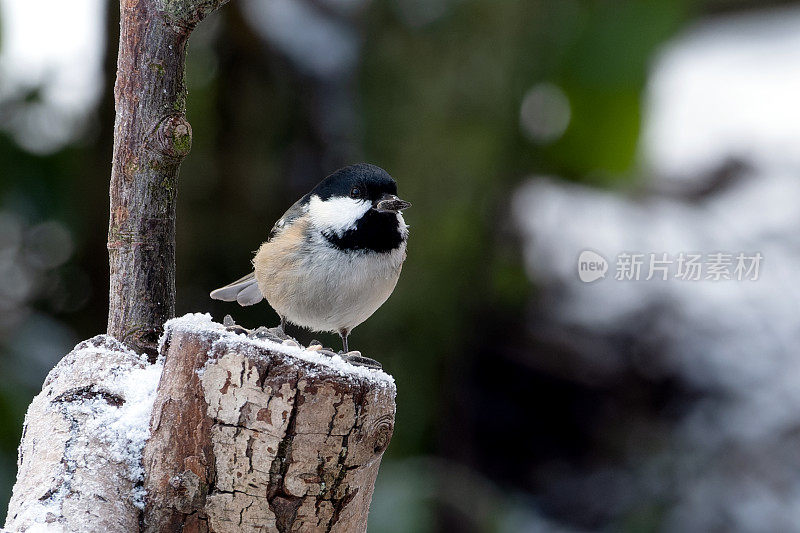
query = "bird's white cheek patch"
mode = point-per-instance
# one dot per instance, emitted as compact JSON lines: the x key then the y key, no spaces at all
{"x":336,"y":214}
{"x":402,"y":226}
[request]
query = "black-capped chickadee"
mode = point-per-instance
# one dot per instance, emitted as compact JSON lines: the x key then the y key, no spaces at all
{"x":334,"y":257}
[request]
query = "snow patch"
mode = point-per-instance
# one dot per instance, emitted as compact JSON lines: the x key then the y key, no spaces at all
{"x":105,"y":392}
{"x":726,"y":88}
{"x":124,"y":428}
{"x":203,"y":324}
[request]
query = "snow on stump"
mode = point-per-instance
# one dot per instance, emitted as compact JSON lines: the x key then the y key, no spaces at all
{"x":79,"y":467}
{"x":252,"y":435}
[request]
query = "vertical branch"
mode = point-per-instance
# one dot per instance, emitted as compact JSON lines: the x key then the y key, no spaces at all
{"x":151,"y":138}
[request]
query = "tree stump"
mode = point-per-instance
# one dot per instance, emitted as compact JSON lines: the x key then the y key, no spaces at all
{"x":79,"y":467}
{"x":244,"y":435}
{"x":251,"y":435}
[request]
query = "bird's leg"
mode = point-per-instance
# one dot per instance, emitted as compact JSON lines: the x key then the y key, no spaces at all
{"x":355,"y":357}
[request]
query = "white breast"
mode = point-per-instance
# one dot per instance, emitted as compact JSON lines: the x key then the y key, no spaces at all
{"x":323,"y":288}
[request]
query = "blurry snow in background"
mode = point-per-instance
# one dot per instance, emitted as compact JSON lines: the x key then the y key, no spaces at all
{"x":726,"y":90}
{"x":728,"y":87}
{"x":321,"y":45}
{"x":48,"y":91}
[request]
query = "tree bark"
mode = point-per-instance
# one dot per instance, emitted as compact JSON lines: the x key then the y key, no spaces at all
{"x":247,"y":438}
{"x":151,"y":138}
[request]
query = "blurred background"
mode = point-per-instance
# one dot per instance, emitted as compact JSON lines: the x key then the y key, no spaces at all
{"x":523,"y":131}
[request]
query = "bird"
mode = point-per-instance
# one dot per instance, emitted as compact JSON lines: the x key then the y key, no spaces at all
{"x":334,"y":257}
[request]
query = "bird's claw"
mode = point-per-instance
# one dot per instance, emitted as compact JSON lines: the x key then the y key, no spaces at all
{"x":275,"y":334}
{"x":231,"y":325}
{"x":355,"y":358}
{"x":316,"y":346}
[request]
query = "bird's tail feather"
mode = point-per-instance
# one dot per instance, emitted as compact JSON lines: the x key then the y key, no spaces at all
{"x":244,"y":290}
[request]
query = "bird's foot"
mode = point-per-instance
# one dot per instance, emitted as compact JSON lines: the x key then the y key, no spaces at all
{"x":275,"y":334}
{"x":354,"y":357}
{"x":233,"y":327}
{"x":316,"y":346}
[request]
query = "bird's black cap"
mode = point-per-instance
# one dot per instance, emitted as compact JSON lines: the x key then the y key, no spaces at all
{"x":371,"y":181}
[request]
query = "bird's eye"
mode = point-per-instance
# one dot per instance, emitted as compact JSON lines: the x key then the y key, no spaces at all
{"x":355,"y":192}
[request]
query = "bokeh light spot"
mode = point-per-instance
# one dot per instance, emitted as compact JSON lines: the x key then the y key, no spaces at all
{"x":545,"y":113}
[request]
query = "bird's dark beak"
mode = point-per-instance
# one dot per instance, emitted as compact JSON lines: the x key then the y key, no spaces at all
{"x":391,"y":203}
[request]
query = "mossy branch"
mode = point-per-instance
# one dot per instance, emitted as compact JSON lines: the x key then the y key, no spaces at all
{"x":151,"y":138}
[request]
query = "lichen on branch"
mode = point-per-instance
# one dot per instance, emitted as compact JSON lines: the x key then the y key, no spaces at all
{"x":187,"y":13}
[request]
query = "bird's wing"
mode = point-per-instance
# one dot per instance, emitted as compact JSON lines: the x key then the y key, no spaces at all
{"x":291,"y":214}
{"x":244,"y":290}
